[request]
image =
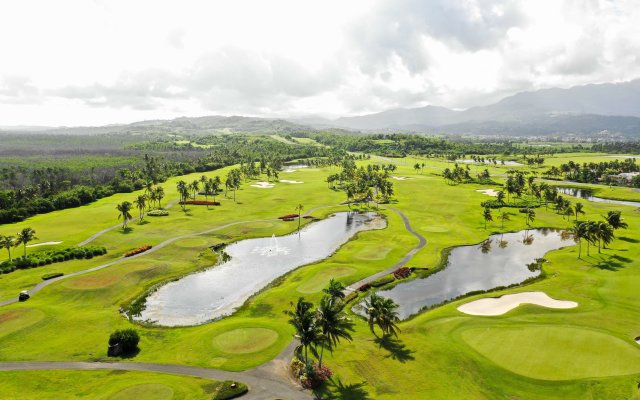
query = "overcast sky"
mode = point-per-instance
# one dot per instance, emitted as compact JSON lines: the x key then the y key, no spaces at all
{"x":97,"y":62}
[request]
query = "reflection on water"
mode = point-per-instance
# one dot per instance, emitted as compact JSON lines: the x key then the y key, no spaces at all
{"x":588,"y":195}
{"x":254,"y":263}
{"x":479,"y":267}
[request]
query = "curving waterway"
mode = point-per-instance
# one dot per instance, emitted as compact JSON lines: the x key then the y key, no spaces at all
{"x":254,"y":263}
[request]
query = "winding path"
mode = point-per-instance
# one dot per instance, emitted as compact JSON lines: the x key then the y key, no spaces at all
{"x":267,"y":381}
{"x":422,"y":242}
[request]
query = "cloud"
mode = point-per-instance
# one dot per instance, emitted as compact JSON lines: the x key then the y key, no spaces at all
{"x":18,"y":89}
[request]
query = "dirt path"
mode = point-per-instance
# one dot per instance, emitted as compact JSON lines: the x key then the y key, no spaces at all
{"x":422,"y":242}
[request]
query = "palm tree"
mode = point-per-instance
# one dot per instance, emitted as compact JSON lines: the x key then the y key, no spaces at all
{"x":302,"y":318}
{"x":529,"y":216}
{"x":579,"y":232}
{"x":500,"y":197}
{"x":504,"y":217}
{"x":578,"y":209}
{"x":207,"y":190}
{"x":141,"y":204}
{"x":183,"y":190}
{"x":23,"y":237}
{"x":381,"y":311}
{"x":603,"y":233}
{"x":159,"y":195}
{"x":335,"y":289}
{"x":568,"y":212}
{"x":194,"y":186}
{"x":7,"y":242}
{"x":614,"y":218}
{"x":333,"y":324}
{"x":124,"y":209}
{"x":299,"y":209}
{"x":486,"y":214}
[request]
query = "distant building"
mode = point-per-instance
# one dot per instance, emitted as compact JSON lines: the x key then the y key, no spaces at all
{"x":624,"y":178}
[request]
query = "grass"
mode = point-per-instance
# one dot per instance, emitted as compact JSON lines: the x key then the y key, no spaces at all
{"x":437,"y":352}
{"x":106,"y":385}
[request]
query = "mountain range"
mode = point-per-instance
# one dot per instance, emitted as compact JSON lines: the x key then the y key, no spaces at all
{"x":610,"y":109}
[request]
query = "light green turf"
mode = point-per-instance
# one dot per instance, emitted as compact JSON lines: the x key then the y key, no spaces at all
{"x":245,"y":340}
{"x":103,"y":385}
{"x":556,"y":352}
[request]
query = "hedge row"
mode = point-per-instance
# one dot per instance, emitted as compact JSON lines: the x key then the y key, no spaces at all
{"x":139,"y":250}
{"x":158,"y":213}
{"x":51,"y":256}
{"x":52,"y":275}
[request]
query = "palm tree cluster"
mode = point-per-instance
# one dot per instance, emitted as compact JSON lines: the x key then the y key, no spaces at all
{"x":381,"y":311}
{"x":593,"y":172}
{"x":363,"y":184}
{"x":151,"y":198}
{"x":23,"y":238}
{"x":321,"y":328}
{"x":600,"y":233}
{"x":457,"y":175}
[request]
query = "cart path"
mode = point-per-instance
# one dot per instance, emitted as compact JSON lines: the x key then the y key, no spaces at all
{"x":267,"y":381}
{"x":422,"y":242}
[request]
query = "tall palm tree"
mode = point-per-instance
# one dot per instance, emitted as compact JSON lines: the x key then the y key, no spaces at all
{"x":614,"y":218}
{"x":7,"y":242}
{"x":504,"y":216}
{"x":381,"y":311}
{"x":604,"y":234}
{"x":207,"y":190}
{"x":335,"y":289}
{"x":23,"y":237}
{"x":333,"y":323}
{"x":299,"y":209}
{"x":302,"y":318}
{"x":500,"y":197}
{"x":141,"y":204}
{"x":529,"y":216}
{"x":486,"y":214}
{"x":194,"y":186}
{"x":183,"y":190}
{"x":578,"y":209}
{"x":124,"y":209}
{"x":159,"y":195}
{"x":579,"y":232}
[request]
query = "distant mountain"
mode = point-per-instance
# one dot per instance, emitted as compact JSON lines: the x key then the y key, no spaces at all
{"x":588,"y":109}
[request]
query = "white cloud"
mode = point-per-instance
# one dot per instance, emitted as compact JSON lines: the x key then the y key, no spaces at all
{"x":81,"y":62}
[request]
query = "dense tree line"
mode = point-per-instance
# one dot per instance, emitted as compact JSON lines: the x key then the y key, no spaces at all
{"x":594,"y":172}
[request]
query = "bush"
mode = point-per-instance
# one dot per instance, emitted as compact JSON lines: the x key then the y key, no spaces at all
{"x":348,"y":298}
{"x":288,"y":216}
{"x":51,"y":275}
{"x":383,"y":281}
{"x":364,"y":287}
{"x":139,"y":250}
{"x":158,"y":213}
{"x":201,"y":203}
{"x":402,"y":273}
{"x":128,"y":339}
{"x":230,"y":390}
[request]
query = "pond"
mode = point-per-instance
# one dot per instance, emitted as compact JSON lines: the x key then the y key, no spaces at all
{"x":477,"y":267}
{"x":254,"y":263}
{"x":498,"y":162}
{"x":588,"y":195}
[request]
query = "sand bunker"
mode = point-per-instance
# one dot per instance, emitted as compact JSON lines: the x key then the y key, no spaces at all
{"x":506,"y":303}
{"x":263,"y":185}
{"x":400,"y":178}
{"x":288,"y":181}
{"x":488,"y":192}
{"x":43,"y":244}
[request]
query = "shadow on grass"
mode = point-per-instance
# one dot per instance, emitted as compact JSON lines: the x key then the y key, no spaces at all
{"x":143,"y":222}
{"x":261,"y":310}
{"x":126,"y":230}
{"x":396,"y":348}
{"x":612,"y":263}
{"x":335,"y":389}
{"x":628,"y":239}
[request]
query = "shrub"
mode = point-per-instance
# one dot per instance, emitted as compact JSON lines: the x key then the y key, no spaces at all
{"x":201,"y":202}
{"x":128,"y":339}
{"x":288,"y":219}
{"x":383,"y":281}
{"x":289,"y":216}
{"x":402,"y":273}
{"x":51,"y":275}
{"x":364,"y":287}
{"x":230,"y":390}
{"x":348,"y":298}
{"x":315,"y":376}
{"x":139,"y":250}
{"x":158,"y":213}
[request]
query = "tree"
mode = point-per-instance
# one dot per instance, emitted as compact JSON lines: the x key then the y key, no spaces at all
{"x":579,"y":232}
{"x":302,"y":318}
{"x":123,"y":209}
{"x":603,"y":233}
{"x":141,"y":204}
{"x":578,"y":209}
{"x":335,"y":289}
{"x":159,"y":195}
{"x":529,"y":216}
{"x":504,"y":216}
{"x":127,"y":338}
{"x":381,"y":311}
{"x":486,"y":214}
{"x":500,"y":197}
{"x":183,"y":190}
{"x":7,"y":242}
{"x":299,"y":209}
{"x":24,"y":237}
{"x":333,"y":324}
{"x":614,"y":218}
{"x":208,"y":188}
{"x":194,"y":186}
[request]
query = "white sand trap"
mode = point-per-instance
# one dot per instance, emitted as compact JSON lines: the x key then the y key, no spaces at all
{"x":263,"y":185}
{"x":488,"y":192}
{"x":400,"y":178}
{"x":288,"y":181}
{"x":43,"y":244}
{"x":506,"y":303}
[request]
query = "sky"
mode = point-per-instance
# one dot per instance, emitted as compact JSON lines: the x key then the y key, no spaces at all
{"x":99,"y":62}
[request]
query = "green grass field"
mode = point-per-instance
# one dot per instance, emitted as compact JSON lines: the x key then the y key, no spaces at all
{"x":529,"y":353}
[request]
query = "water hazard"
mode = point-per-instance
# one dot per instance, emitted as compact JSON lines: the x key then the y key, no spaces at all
{"x":254,"y":263}
{"x":588,"y":195}
{"x":501,"y":261}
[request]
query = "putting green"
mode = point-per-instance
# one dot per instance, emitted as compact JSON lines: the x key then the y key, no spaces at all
{"x":97,"y":280}
{"x":245,"y":340}
{"x":373,"y":253}
{"x":555,"y":353}
{"x":196,"y":241}
{"x":15,"y":320}
{"x":321,"y":279}
{"x":155,"y":391}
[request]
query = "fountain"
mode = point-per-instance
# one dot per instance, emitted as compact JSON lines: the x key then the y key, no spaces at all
{"x":273,"y":249}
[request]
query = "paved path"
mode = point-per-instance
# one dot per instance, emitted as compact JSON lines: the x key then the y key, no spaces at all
{"x":422,"y":242}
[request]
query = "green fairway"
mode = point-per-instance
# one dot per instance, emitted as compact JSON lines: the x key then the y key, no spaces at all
{"x":529,"y":353}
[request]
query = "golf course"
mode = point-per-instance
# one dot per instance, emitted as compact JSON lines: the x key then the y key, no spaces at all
{"x":526,"y":351}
